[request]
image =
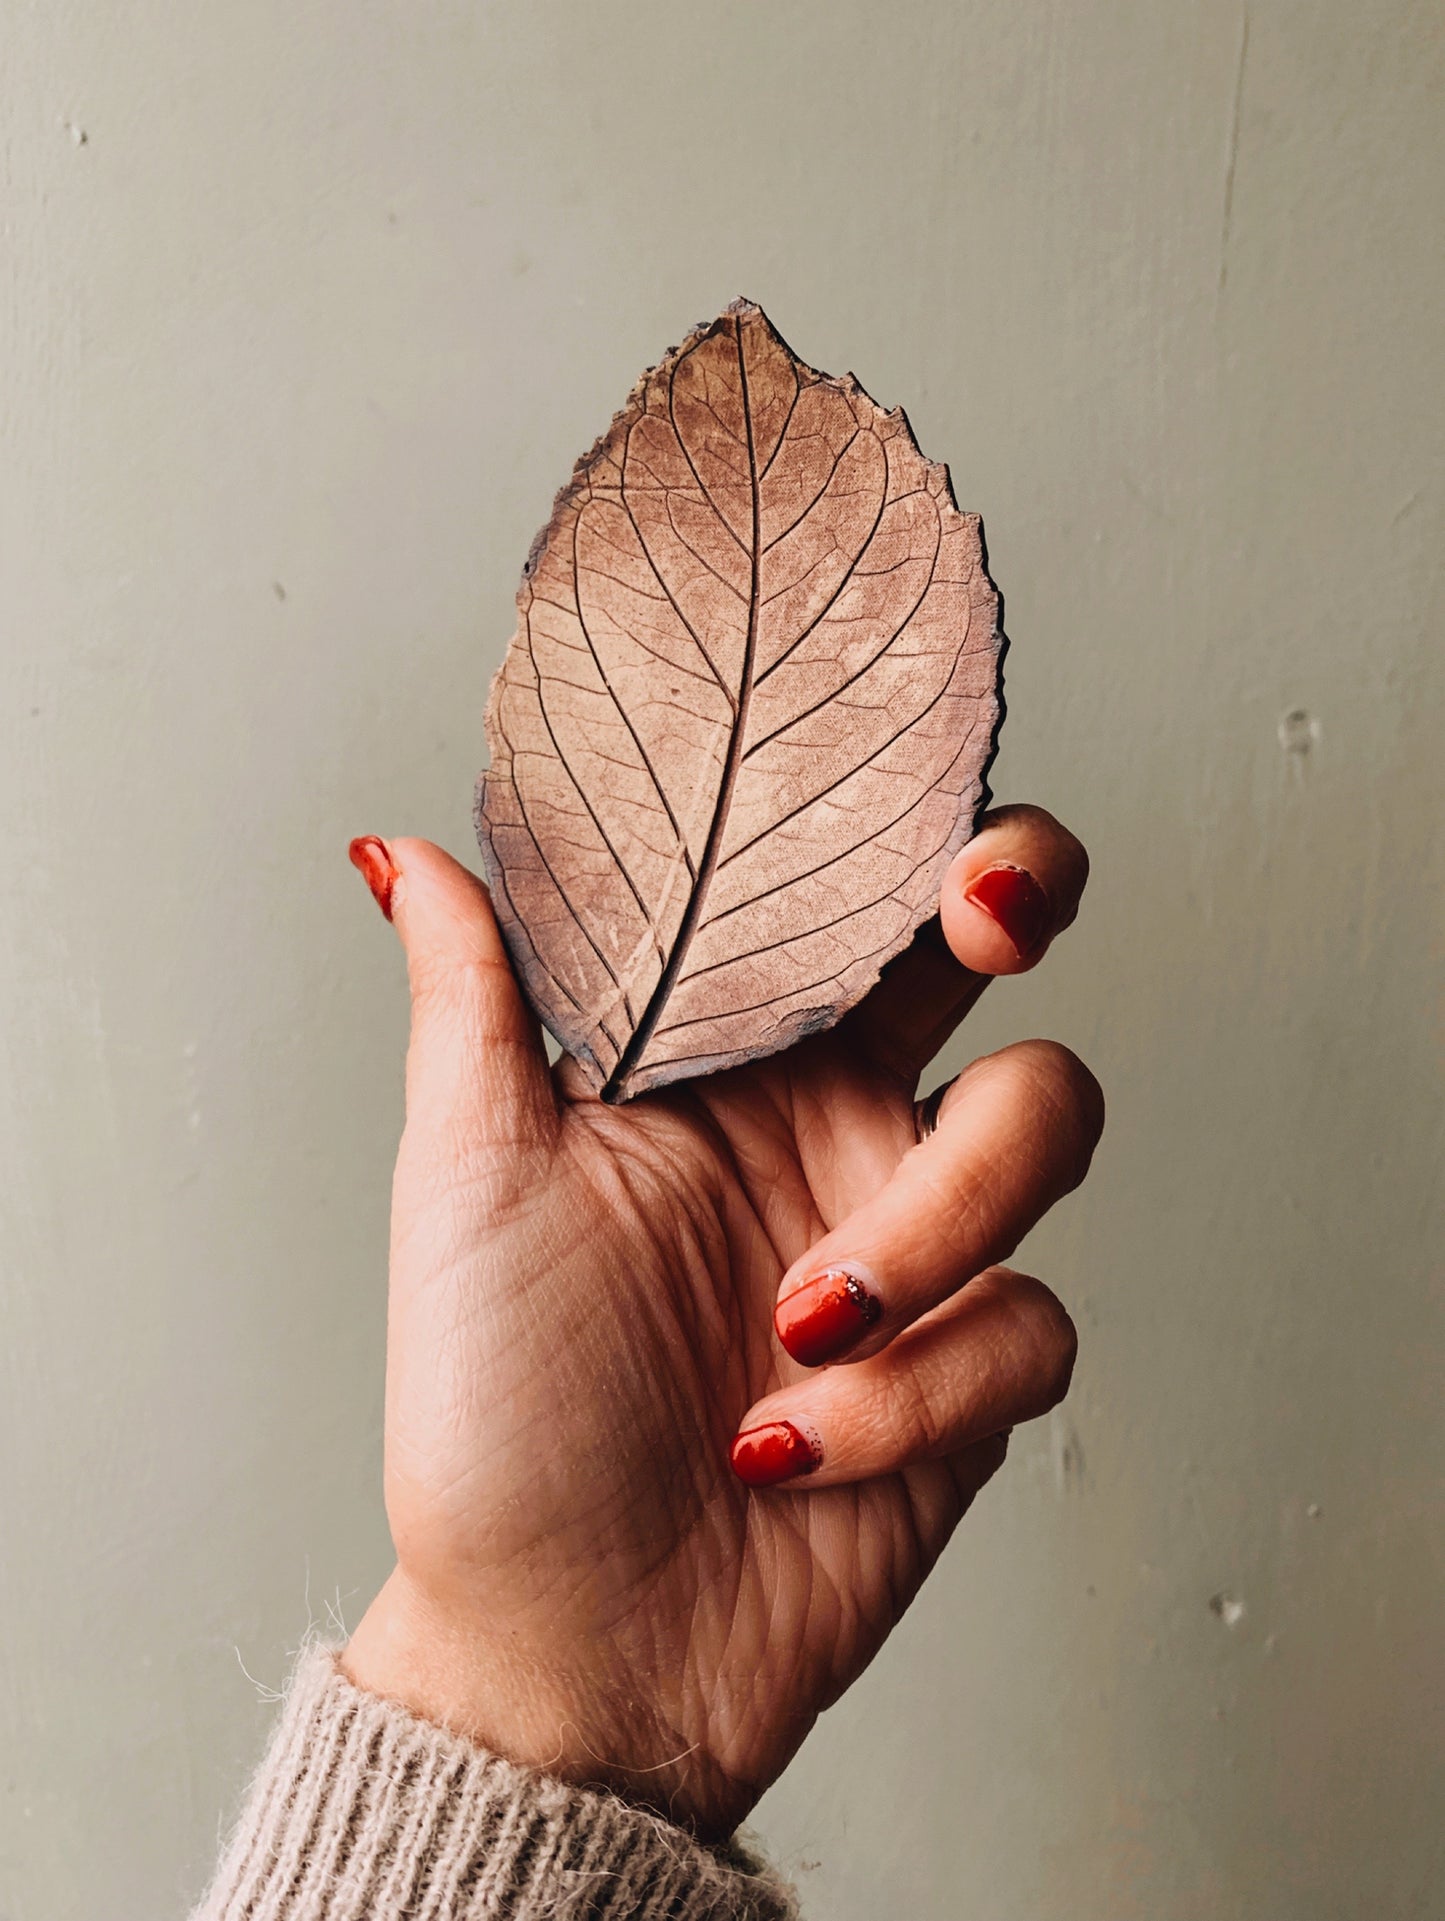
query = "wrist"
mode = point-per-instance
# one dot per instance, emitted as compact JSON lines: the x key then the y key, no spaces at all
{"x":584,"y":1728}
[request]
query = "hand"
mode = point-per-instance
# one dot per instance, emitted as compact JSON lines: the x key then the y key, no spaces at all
{"x":582,"y":1321}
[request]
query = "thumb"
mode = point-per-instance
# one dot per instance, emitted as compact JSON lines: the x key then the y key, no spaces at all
{"x":476,"y":1069}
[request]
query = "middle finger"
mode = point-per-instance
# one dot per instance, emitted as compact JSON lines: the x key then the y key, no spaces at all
{"x":1015,"y":1133}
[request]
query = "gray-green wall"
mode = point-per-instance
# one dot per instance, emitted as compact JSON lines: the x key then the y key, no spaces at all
{"x":304,"y":312}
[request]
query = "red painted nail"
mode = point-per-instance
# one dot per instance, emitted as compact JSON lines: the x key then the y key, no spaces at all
{"x":763,"y":1456}
{"x":372,"y":858}
{"x":1015,"y":900}
{"x":825,"y":1316}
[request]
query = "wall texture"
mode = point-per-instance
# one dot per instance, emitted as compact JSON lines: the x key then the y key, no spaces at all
{"x":304,"y":312}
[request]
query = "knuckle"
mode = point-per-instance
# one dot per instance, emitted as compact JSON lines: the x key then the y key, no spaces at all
{"x":1056,"y":1081}
{"x":465,"y":993}
{"x":1048,"y":1336}
{"x":960,"y":1216}
{"x":916,"y":1424}
{"x":1054,"y":1071}
{"x":431,"y":978}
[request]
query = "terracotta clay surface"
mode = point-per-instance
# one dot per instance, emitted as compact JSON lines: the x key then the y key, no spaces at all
{"x":743,"y":724}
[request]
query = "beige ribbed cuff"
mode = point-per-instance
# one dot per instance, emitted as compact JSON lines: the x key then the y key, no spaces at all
{"x":360,"y":1810}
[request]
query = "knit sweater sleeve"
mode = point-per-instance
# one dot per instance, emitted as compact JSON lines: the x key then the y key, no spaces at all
{"x":359,"y":1809}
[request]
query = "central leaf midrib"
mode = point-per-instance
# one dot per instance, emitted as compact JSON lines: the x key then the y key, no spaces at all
{"x":707,"y":866}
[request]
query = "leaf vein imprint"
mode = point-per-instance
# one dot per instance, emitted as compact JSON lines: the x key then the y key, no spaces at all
{"x":707,"y":866}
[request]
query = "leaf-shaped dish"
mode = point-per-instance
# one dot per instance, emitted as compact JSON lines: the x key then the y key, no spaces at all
{"x":744,"y":723}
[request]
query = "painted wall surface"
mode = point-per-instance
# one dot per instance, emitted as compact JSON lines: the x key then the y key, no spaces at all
{"x":304,"y":313}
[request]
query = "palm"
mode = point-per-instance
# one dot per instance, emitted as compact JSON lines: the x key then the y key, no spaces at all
{"x":635,"y":1269}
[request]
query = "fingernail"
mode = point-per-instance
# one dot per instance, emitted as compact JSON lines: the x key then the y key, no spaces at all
{"x":825,"y":1316}
{"x":763,"y":1456}
{"x":372,"y":858}
{"x":1015,"y":900}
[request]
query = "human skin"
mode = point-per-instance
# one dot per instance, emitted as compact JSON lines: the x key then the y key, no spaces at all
{"x":581,"y":1324}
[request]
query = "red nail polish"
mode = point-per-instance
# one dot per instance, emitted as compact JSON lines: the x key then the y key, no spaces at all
{"x":763,"y":1456}
{"x":825,"y":1316}
{"x":1015,"y":900}
{"x":372,"y":859}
